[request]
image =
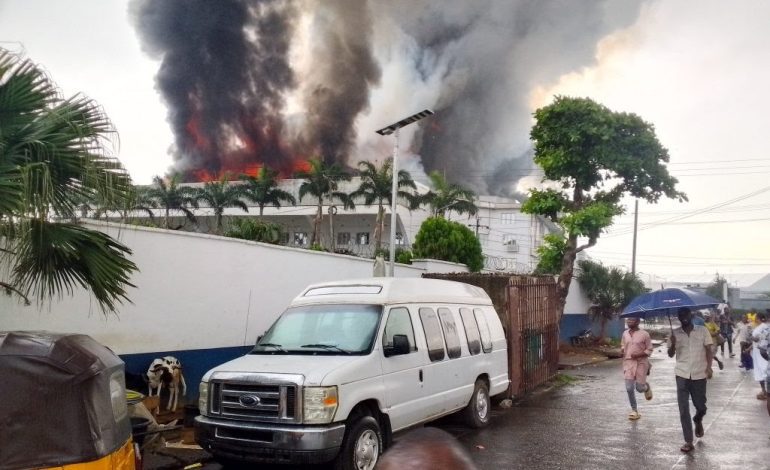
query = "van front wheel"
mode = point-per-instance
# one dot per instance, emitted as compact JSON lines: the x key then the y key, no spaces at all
{"x":477,"y":411}
{"x":362,"y":445}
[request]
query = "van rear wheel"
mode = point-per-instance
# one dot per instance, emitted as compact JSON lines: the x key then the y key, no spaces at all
{"x":362,"y":445}
{"x":477,"y":412}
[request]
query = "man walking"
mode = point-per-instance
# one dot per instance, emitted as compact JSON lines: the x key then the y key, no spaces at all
{"x":726,"y":326}
{"x":636,"y":346}
{"x":693,"y":348}
{"x":743,"y":337}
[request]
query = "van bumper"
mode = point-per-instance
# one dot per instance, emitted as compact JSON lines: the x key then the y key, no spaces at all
{"x":265,"y":442}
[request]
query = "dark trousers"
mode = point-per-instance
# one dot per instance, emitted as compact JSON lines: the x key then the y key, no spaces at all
{"x":686,"y":389}
{"x":729,"y":342}
{"x":746,"y":360}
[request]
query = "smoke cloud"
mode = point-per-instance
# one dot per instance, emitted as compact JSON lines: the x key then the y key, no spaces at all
{"x":274,"y":82}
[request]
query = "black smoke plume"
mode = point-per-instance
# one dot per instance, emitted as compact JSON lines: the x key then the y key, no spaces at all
{"x":252,"y":82}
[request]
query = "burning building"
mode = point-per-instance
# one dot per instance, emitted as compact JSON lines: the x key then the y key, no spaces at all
{"x":275,"y":82}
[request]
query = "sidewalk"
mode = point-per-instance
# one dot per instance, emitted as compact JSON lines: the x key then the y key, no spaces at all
{"x":585,"y":425}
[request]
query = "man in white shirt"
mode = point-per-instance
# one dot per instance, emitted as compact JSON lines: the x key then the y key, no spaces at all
{"x":743,"y":337}
{"x":692,"y":346}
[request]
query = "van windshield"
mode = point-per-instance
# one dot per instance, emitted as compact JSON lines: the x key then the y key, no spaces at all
{"x":322,"y":329}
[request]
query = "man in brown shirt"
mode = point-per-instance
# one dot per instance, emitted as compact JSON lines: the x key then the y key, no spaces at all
{"x":692,"y":346}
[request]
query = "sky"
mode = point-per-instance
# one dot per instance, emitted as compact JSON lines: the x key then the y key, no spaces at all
{"x":698,"y":70}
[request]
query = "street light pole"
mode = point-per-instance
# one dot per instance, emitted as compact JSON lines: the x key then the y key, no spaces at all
{"x":394,"y":128}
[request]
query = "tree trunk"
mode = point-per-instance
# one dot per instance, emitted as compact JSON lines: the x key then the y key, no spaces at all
{"x":602,"y":329}
{"x":317,"y":224}
{"x":378,"y":228}
{"x":218,"y":219}
{"x":565,"y":275}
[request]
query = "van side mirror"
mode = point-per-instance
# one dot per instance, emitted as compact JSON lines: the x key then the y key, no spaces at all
{"x":400,"y":345}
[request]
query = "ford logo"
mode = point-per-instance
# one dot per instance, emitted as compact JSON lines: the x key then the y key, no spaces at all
{"x":249,"y":401}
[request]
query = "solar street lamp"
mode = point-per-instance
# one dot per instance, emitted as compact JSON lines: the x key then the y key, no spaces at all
{"x":394,"y":128}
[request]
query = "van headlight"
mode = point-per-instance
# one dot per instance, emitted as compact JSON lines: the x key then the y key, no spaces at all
{"x":203,"y":398}
{"x":319,"y":404}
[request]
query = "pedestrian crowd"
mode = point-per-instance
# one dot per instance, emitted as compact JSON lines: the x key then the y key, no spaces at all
{"x":696,"y":344}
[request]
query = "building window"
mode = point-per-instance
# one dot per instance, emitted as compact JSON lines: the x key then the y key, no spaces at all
{"x":507,"y":218}
{"x":284,"y":238}
{"x":300,"y":238}
{"x":362,"y":238}
{"x":399,"y":238}
{"x":343,"y":238}
{"x":509,"y":239}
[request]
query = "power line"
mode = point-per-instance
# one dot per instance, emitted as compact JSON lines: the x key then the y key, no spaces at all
{"x":692,"y":214}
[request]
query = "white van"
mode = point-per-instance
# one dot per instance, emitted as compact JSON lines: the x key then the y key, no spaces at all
{"x":348,"y":364}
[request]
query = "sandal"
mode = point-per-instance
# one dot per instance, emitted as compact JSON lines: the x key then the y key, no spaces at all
{"x":688,"y":447}
{"x":634,"y":415}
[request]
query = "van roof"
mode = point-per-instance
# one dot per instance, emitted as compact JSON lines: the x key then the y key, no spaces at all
{"x":386,"y":290}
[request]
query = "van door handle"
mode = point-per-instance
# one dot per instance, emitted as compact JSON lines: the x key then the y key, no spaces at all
{"x":420,"y":375}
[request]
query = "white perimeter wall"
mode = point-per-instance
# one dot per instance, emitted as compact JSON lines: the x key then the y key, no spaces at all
{"x":196,"y":291}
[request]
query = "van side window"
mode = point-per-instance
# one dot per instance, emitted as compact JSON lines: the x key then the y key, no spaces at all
{"x":486,"y":336}
{"x":450,"y":332}
{"x":432,"y":334}
{"x":399,"y":323}
{"x":471,"y":331}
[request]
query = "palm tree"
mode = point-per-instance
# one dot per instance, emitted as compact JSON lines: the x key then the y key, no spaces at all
{"x":168,"y":195}
{"x":322,"y":181}
{"x":446,"y":197}
{"x":220,"y":195}
{"x":263,"y":190}
{"x":377,"y":186}
{"x":53,"y":156}
{"x":608,"y":289}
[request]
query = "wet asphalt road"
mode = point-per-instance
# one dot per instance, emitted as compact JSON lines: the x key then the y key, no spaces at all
{"x":585,"y":426}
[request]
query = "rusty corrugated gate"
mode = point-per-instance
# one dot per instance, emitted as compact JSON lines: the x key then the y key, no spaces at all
{"x":527,"y":309}
{"x":533,"y":333}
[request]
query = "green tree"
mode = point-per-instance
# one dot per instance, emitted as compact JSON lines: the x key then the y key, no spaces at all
{"x":219,"y":195}
{"x":594,"y":156}
{"x":263,"y":190}
{"x":54,"y":155}
{"x":608,"y":289}
{"x":255,"y":230}
{"x":171,"y":197}
{"x":322,"y":182}
{"x":442,"y":239}
{"x":377,"y":186}
{"x":446,"y":197}
{"x":716,"y":288}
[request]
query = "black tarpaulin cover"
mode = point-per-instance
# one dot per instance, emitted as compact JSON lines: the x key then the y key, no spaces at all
{"x":62,"y":400}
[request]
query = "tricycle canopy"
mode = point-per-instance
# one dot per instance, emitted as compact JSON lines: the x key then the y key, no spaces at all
{"x":62,"y":400}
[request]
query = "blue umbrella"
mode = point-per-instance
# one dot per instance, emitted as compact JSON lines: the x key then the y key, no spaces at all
{"x":665,"y":302}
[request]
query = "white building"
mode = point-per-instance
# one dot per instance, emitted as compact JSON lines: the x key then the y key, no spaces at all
{"x":509,"y":238}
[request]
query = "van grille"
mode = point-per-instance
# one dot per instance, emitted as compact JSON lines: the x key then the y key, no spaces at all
{"x":254,"y":401}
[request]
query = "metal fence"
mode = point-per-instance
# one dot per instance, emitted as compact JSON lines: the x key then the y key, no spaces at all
{"x":533,"y":332}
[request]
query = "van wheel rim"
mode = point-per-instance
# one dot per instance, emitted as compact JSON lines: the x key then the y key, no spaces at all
{"x":482,"y":405}
{"x":367,"y":450}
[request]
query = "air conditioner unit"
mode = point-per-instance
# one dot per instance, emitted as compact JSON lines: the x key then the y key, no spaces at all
{"x":512,"y":246}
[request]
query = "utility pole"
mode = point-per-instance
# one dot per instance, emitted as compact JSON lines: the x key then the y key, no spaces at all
{"x":478,"y":225}
{"x":633,"y":254}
